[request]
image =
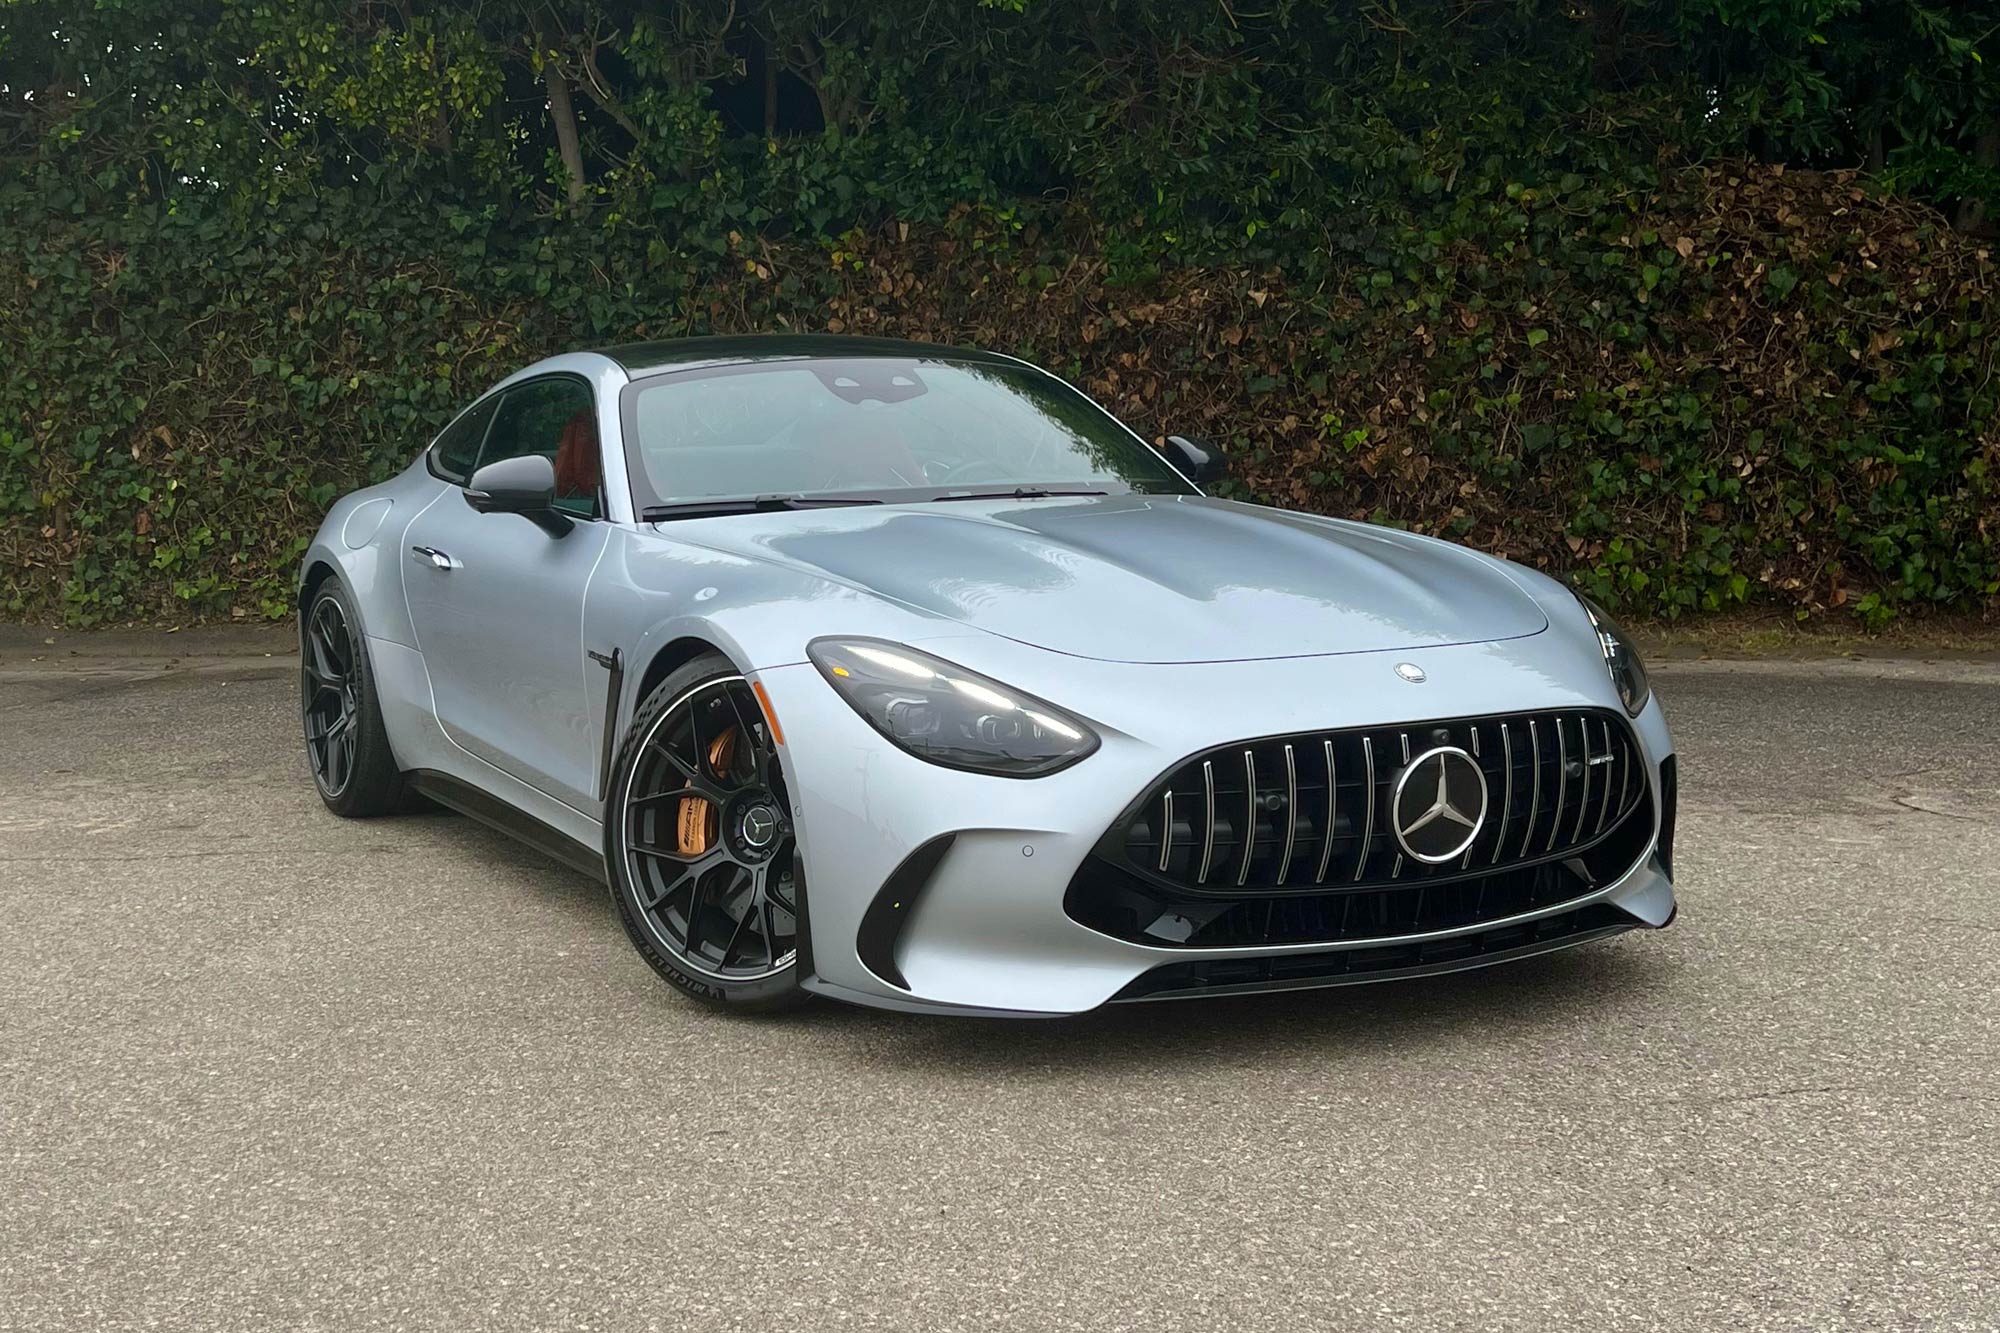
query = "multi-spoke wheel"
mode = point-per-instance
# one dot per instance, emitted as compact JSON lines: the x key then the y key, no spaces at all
{"x":699,"y":841}
{"x":332,"y":696}
{"x":345,"y":742}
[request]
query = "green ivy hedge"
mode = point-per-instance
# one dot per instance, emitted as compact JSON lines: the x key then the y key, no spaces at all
{"x":1728,"y":385}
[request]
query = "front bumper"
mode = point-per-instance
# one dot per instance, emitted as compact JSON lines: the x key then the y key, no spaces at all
{"x":976,"y":919}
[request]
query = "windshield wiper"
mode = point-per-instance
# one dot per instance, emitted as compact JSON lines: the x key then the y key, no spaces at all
{"x":755,"y":504}
{"x":1018,"y":493}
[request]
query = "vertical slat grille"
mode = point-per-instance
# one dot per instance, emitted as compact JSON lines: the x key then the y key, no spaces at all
{"x":1562,"y":784}
{"x":1583,"y":805}
{"x":1291,"y":813}
{"x":1367,"y":806}
{"x":1465,"y":863}
{"x":1307,"y":811}
{"x":1249,"y":816}
{"x":1208,"y":826}
{"x":1332,"y":773}
{"x":1611,"y":761}
{"x":1535,"y":789}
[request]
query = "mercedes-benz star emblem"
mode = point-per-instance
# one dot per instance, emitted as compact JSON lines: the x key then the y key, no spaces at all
{"x":1411,"y":672}
{"x":758,"y":825}
{"x":1439,"y":804}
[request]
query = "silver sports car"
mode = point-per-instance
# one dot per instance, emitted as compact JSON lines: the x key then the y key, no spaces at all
{"x":908,"y":676}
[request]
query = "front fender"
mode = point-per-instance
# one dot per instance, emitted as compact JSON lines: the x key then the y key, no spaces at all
{"x":361,"y":541}
{"x":650,"y":593}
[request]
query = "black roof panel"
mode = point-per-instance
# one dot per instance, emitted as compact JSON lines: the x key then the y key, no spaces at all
{"x":675,"y":352}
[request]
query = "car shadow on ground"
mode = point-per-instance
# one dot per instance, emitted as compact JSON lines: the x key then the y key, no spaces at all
{"x":1589,"y":984}
{"x":1528,"y":999}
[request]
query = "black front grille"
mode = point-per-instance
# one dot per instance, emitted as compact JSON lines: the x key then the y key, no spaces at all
{"x":1310,"y":812}
{"x":1414,"y":957}
{"x":1310,"y":856}
{"x":1111,"y":897}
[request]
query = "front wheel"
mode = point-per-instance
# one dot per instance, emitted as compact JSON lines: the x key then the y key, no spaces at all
{"x":699,"y":842}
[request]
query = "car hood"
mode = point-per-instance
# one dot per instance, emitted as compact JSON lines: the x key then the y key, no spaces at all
{"x":1139,"y":578}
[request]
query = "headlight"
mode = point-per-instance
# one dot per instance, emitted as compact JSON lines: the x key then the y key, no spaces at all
{"x":948,"y":715}
{"x":1628,"y":673}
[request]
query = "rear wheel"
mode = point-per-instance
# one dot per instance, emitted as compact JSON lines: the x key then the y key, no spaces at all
{"x":346,"y":743}
{"x":700,"y":845}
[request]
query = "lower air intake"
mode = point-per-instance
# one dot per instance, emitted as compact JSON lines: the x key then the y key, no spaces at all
{"x":1223,"y":976}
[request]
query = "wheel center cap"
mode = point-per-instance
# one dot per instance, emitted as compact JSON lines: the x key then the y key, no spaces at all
{"x":758,"y":827}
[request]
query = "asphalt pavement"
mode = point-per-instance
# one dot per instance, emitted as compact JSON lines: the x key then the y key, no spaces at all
{"x":263,"y":1068}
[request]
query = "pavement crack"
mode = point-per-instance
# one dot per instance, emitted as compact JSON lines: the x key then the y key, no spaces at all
{"x":1774,"y":1094}
{"x":1908,"y":801}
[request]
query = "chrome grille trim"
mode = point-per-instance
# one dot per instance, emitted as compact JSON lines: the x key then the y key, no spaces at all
{"x":1465,"y":862}
{"x":1367,"y":819}
{"x":1562,"y":785}
{"x":1583,"y":801}
{"x":1166,"y":828}
{"x":1604,"y":806}
{"x":1507,"y":800}
{"x":1249,"y":816}
{"x":1208,"y":838}
{"x":1332,"y":812}
{"x":1535,"y":797}
{"x":1291,"y":813}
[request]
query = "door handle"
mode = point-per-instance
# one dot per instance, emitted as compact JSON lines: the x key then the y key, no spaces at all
{"x":433,"y":557}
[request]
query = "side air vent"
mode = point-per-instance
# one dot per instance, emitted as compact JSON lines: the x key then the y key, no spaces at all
{"x":882,"y":924}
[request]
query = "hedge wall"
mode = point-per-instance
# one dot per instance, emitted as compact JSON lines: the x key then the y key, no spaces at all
{"x":1690,"y":391}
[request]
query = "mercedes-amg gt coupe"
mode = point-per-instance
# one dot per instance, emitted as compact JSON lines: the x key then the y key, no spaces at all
{"x":908,"y":676}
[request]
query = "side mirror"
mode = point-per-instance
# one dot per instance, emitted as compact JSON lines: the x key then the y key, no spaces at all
{"x":1199,"y":462}
{"x":524,"y":485}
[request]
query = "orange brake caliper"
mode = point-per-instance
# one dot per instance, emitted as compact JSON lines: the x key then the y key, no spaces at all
{"x":696,"y":828}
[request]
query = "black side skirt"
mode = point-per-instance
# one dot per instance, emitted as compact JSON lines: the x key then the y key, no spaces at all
{"x":497,"y":814}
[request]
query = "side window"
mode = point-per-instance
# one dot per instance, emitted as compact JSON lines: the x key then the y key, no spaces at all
{"x":457,"y":449}
{"x":557,"y":419}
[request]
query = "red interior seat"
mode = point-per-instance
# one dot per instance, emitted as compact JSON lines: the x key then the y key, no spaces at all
{"x":579,"y":471}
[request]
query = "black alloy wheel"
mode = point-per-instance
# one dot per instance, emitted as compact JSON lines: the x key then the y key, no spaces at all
{"x":332,"y":697}
{"x":347,"y":744}
{"x":703,"y":851}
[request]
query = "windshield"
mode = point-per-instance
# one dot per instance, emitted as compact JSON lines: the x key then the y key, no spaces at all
{"x":880,"y":427}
